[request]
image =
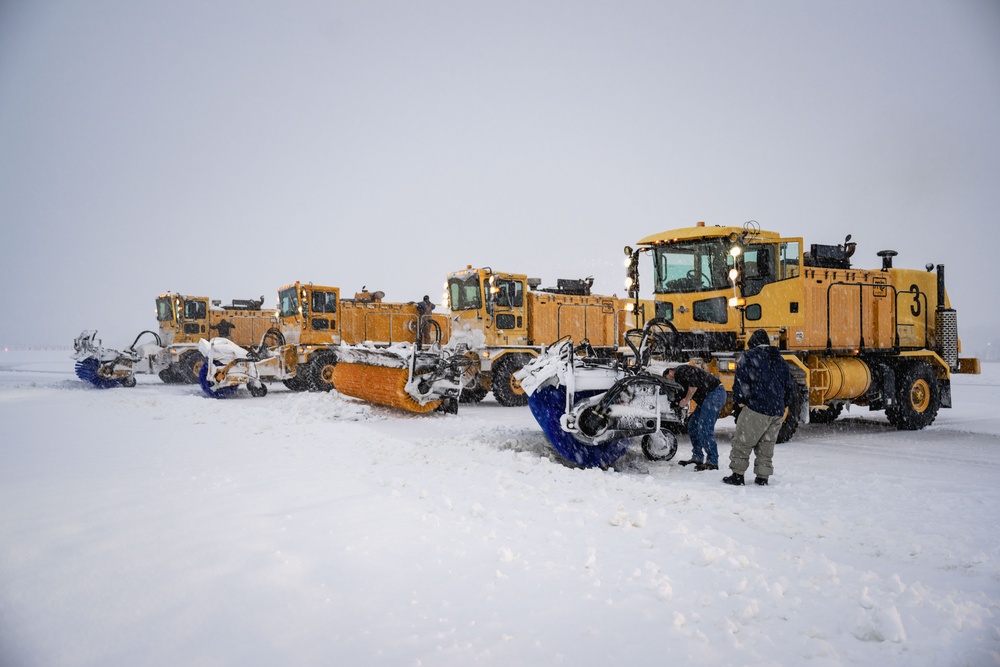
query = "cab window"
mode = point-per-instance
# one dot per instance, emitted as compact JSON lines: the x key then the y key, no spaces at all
{"x":758,"y":269}
{"x":510,"y":293}
{"x":324,"y":302}
{"x":789,"y":260}
{"x":288,"y":302}
{"x":194,"y":310}
{"x":464,"y":293}
{"x":164,"y":310}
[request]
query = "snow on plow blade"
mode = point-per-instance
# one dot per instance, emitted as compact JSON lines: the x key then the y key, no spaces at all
{"x":401,"y":376}
{"x":592,"y":409}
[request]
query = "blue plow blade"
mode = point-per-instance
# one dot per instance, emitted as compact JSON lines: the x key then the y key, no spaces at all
{"x":87,"y":369}
{"x":547,"y":405}
{"x":221,"y":392}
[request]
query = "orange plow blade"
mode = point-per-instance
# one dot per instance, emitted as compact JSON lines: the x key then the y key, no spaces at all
{"x":378,"y":384}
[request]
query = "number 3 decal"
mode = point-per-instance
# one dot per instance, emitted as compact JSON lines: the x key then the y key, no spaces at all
{"x":915,"y":308}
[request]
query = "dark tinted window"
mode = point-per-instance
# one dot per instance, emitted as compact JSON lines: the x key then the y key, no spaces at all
{"x":324,"y":302}
{"x":194,"y":310}
{"x":714,"y":310}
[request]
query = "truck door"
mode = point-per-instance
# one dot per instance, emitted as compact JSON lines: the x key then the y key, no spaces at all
{"x":507,"y":301}
{"x":195,"y":317}
{"x":322,"y":317}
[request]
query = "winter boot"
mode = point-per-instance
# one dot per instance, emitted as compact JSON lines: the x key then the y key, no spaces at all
{"x":735,"y":479}
{"x":706,"y":466}
{"x":760,"y":481}
{"x":689,"y":462}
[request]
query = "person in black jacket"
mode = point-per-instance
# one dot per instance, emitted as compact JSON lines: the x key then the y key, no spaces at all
{"x":763,"y":388}
{"x":705,"y":390}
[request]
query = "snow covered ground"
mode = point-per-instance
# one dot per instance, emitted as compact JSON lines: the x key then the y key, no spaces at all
{"x":154,"y":526}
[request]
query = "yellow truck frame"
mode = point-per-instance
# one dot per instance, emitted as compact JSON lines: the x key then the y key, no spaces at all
{"x":885,"y":338}
{"x":504,"y":320}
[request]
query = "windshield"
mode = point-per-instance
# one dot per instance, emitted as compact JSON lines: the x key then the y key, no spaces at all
{"x":164,"y":309}
{"x":464,"y":293}
{"x":699,"y":266}
{"x":288,"y":302}
{"x":194,"y":310}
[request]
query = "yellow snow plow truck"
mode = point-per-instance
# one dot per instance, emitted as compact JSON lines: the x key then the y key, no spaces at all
{"x":504,"y":320}
{"x":184,"y":320}
{"x":885,"y":338}
{"x":316,"y":320}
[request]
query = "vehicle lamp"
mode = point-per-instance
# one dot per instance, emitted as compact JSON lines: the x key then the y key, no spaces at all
{"x":737,"y":302}
{"x":629,"y":307}
{"x":629,"y":282}
{"x":735,"y":251}
{"x":733,"y":274}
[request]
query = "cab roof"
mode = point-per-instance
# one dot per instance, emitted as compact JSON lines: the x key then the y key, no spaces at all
{"x":700,"y":232}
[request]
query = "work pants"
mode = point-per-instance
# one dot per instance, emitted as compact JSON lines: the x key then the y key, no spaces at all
{"x":755,"y":433}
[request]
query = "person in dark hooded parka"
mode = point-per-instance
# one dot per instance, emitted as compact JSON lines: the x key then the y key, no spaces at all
{"x":763,"y":388}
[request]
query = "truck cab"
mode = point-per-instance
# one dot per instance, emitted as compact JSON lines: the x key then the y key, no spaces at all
{"x":490,"y":303}
{"x":308,"y":314}
{"x":716,"y":283}
{"x":506,"y":319}
{"x":182,"y":318}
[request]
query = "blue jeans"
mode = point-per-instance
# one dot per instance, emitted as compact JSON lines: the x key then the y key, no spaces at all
{"x":701,"y":427}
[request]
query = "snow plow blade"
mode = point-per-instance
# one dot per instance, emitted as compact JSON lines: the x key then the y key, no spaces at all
{"x":104,"y":367}
{"x":228,"y":366}
{"x":547,"y":406}
{"x":401,"y":376}
{"x":378,"y":384}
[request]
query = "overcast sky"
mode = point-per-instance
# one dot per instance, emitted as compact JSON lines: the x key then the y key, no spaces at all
{"x":227,"y":148}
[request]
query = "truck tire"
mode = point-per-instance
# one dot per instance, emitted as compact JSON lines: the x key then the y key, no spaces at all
{"x":475,"y":385}
{"x":296,"y":383}
{"x":506,"y":389}
{"x":320,"y":371}
{"x":189,"y":365}
{"x":169,"y":375}
{"x":918,"y":397}
{"x":659,"y":446}
{"x":827,"y":416}
{"x":474,"y":394}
